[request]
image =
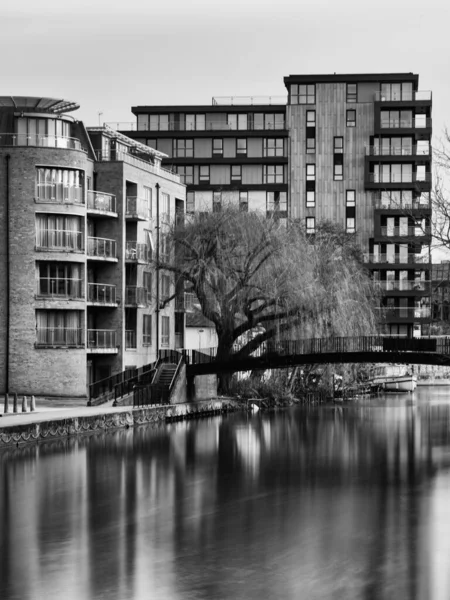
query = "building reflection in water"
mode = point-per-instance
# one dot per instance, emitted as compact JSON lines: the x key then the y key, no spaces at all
{"x":320,"y":502}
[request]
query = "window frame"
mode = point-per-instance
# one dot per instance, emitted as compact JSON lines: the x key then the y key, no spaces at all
{"x":217,"y":151}
{"x":147,"y":330}
{"x":310,"y":172}
{"x":241,"y":151}
{"x":207,"y":176}
{"x":237,"y":176}
{"x":349,"y":121}
{"x":352,"y":96}
{"x":348,"y":198}
{"x":310,"y":229}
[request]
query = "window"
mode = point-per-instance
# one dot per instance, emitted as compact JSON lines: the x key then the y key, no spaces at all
{"x":59,"y":185}
{"x":273,"y":147}
{"x":350,"y":225}
{"x":217,"y":147}
{"x":303,"y":94}
{"x":59,"y":279}
{"x":351,"y":118}
{"x":59,"y":328}
{"x":147,"y":285}
{"x":148,"y":200}
{"x":217,"y":201}
{"x":53,"y":133}
{"x":310,"y":145}
{"x":273,"y":173}
{"x":186,"y":174}
{"x":396,"y":146}
{"x":352,"y":92}
{"x":393,"y":119}
{"x":310,"y":118}
{"x":276,"y":201}
{"x":338,"y":145}
{"x":350,"y":198}
{"x":395,"y":173}
{"x":152,"y":143}
{"x":165,"y":331}
{"x":164,"y":207}
{"x":165,"y":287}
{"x":397,"y":91}
{"x":310,"y":225}
{"x":338,"y":172}
{"x":164,"y":252}
{"x":142,"y":123}
{"x":159,"y":123}
{"x":241,"y":146}
{"x":310,"y":198}
{"x":243,"y":201}
{"x":236,"y":173}
{"x":204,"y":174}
{"x":238,"y":121}
{"x":190,"y":202}
{"x":147,"y":330}
{"x":310,"y":172}
{"x":273,"y":121}
{"x":183,"y":148}
{"x":57,"y":232}
{"x":195,"y":122}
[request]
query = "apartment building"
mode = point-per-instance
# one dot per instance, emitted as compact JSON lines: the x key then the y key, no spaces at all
{"x":82,"y":214}
{"x":352,"y":149}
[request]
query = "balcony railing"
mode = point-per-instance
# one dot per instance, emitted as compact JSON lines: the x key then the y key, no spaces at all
{"x":401,"y":205}
{"x":396,"y":259}
{"x":403,"y":96}
{"x":137,"y":208}
{"x":404,"y":286}
{"x":60,"y":239}
{"x":137,"y":161}
{"x":405,"y":231}
{"x":101,"y":201}
{"x":137,"y":252}
{"x":398,"y":151}
{"x":50,"y":287}
{"x":136,"y":296}
{"x":219,"y":126}
{"x":101,"y":338}
{"x":400,"y":178}
{"x":407,"y":312}
{"x":59,"y":336}
{"x":59,"y":193}
{"x":248,"y":100}
{"x":101,"y":293}
{"x":42,"y":141}
{"x":130,"y":338}
{"x":101,"y":248}
{"x":405,"y":123}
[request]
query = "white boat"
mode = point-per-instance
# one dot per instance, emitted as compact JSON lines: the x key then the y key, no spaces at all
{"x":394,"y":378}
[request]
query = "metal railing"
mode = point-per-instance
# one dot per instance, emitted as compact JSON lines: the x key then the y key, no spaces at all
{"x":400,"y":178}
{"x":101,"y":293}
{"x":101,"y":247}
{"x":404,"y":286}
{"x":101,"y":201}
{"x":137,"y":161}
{"x":396,"y":259}
{"x":222,"y":125}
{"x":405,"y":123}
{"x":401,"y":205}
{"x":130,"y":338}
{"x":136,"y":296}
{"x":137,"y":207}
{"x":137,"y":252}
{"x":59,"y":336}
{"x":407,"y":312}
{"x":101,"y":338}
{"x":60,"y":239}
{"x":403,"y":96}
{"x":405,"y":231}
{"x":59,"y":193}
{"x":41,"y":141}
{"x":247,"y":100}
{"x":68,"y":287}
{"x":398,"y":151}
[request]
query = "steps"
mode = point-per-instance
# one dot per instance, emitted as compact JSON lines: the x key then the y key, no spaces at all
{"x":165,"y":374}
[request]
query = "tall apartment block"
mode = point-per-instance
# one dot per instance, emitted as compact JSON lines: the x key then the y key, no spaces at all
{"x":81,"y":213}
{"x":351,"y":149}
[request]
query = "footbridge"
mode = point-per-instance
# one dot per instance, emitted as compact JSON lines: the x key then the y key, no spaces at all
{"x":288,"y":353}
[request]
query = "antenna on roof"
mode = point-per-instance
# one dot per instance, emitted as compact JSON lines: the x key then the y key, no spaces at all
{"x":99,"y":115}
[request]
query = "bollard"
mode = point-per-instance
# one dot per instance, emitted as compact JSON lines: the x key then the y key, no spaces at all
{"x":6,"y":410}
{"x":15,"y":402}
{"x":33,"y":404}
{"x":24,"y":404}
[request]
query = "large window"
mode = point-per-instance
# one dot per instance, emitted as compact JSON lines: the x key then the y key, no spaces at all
{"x":165,"y":331}
{"x":165,"y":286}
{"x":59,"y":185}
{"x":392,"y":119}
{"x":147,"y":330}
{"x":395,"y":146}
{"x":395,"y":173}
{"x":183,"y":148}
{"x":273,"y":147}
{"x":147,"y":285}
{"x":59,"y":328}
{"x":148,"y":200}
{"x":241,"y":146}
{"x":164,"y":207}
{"x":58,"y":232}
{"x":268,"y":121}
{"x":159,"y":123}
{"x":49,"y":133}
{"x":273,"y":174}
{"x":303,"y":94}
{"x":195,"y":122}
{"x":238,"y":121}
{"x":59,"y":280}
{"x":276,"y":201}
{"x":190,"y":202}
{"x":186,"y":174}
{"x":397,"y":91}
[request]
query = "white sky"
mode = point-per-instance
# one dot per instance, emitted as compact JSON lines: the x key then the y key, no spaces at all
{"x":109,"y":56}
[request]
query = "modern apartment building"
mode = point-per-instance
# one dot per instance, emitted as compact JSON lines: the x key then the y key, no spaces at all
{"x":81,"y":214}
{"x":352,"y":149}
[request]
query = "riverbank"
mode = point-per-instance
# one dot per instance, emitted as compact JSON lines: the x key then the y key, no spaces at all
{"x":25,"y":428}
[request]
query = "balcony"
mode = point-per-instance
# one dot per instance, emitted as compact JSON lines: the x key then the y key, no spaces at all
{"x":130,"y":339}
{"x":219,"y":125}
{"x":378,"y":151}
{"x":61,"y":337}
{"x":135,"y":252}
{"x":62,"y":240}
{"x":420,"y":123}
{"x":137,"y":209}
{"x":422,"y":204}
{"x":407,"y":313}
{"x":61,"y":288}
{"x":102,"y":204}
{"x":137,"y":297}
{"x":404,"y":286}
{"x":403,"y":96}
{"x":405,"y":231}
{"x":41,"y":141}
{"x":101,"y":249}
{"x":396,"y":259}
{"x":101,"y":341}
{"x":407,"y":180}
{"x":101,"y":294}
{"x":59,"y":193}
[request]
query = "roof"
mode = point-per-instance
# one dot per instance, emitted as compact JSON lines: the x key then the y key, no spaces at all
{"x":38,"y":104}
{"x":197,"y":319}
{"x":351,"y":78}
{"x":139,"y":146}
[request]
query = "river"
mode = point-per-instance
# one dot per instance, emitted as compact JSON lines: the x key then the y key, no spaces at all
{"x":341,"y":502}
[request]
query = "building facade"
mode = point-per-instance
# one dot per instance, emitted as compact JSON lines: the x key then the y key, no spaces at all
{"x":80,"y":214}
{"x":351,"y":149}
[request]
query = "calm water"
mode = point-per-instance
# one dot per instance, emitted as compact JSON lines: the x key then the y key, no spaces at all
{"x":348,"y":502}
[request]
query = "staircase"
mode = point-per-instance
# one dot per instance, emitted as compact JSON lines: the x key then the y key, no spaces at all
{"x":165,"y":375}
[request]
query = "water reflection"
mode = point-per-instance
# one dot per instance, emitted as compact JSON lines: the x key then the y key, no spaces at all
{"x":343,"y":502}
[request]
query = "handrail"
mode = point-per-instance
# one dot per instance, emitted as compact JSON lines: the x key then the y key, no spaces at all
{"x":41,"y":141}
{"x":177,"y":372}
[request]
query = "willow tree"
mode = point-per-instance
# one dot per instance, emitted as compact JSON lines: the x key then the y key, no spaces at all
{"x":258,"y":280}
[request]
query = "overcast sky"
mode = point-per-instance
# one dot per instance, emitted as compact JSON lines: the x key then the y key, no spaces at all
{"x":109,"y":56}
